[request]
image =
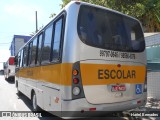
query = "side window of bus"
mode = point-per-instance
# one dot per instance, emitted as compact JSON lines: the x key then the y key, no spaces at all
{"x":57,"y":41}
{"x":46,"y":50}
{"x":30,"y":52}
{"x":33,"y":54}
{"x":39,"y":49}
{"x":25,"y":57}
{"x":21,"y":59}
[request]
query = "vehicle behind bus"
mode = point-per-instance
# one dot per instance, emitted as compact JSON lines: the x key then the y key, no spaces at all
{"x":9,"y":69}
{"x":88,"y":58}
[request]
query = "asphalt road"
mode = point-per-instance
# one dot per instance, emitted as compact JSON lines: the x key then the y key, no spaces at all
{"x":10,"y":101}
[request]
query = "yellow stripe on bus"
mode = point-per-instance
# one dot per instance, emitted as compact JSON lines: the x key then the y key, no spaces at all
{"x":91,"y":74}
{"x":57,"y":74}
{"x":100,"y":74}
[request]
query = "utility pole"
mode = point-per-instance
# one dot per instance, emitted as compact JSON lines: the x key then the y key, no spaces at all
{"x":36,"y":23}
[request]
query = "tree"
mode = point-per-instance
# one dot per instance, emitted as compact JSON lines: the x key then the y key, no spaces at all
{"x":151,"y":17}
{"x":147,"y":11}
{"x":52,"y":15}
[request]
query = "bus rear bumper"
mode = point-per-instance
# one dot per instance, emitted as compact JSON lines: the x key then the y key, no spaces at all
{"x":81,"y":107}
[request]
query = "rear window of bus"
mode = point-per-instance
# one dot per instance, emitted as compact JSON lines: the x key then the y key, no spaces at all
{"x":109,"y":30}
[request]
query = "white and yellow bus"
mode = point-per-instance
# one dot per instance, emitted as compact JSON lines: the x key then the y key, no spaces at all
{"x":88,"y":58}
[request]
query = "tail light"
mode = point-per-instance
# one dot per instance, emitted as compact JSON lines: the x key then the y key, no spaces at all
{"x":77,"y":88}
{"x":75,"y":81}
{"x":11,"y":61}
{"x":139,"y":102}
{"x":92,"y":109}
{"x":75,"y":72}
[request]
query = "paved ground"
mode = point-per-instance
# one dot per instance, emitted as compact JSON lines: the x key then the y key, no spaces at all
{"x":152,"y":107}
{"x":10,"y":101}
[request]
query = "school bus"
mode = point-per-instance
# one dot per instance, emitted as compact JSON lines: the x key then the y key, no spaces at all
{"x":88,"y":58}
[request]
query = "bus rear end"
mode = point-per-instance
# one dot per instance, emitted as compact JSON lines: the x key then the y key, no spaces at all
{"x":109,"y":69}
{"x":9,"y":69}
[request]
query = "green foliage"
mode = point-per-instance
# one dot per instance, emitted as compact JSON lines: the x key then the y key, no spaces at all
{"x":52,"y":15}
{"x":147,"y":11}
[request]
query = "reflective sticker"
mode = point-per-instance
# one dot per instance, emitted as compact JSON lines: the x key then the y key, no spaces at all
{"x":138,"y":89}
{"x":56,"y":99}
{"x":118,"y":94}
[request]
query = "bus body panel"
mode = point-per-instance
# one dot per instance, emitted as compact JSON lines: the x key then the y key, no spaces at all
{"x":48,"y":98}
{"x":84,"y":105}
{"x":46,"y":81}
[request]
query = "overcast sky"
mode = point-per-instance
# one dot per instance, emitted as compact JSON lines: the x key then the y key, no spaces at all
{"x":17,"y":17}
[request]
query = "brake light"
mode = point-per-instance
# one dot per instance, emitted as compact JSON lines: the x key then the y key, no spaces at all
{"x":139,"y":102}
{"x":75,"y":81}
{"x":11,"y":61}
{"x":92,"y":109}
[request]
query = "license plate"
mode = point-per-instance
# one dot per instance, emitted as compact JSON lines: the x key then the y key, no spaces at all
{"x":116,"y":88}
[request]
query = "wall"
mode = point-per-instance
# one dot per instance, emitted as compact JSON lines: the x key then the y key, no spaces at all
{"x":153,"y":64}
{"x":153,"y":84}
{"x":19,"y":42}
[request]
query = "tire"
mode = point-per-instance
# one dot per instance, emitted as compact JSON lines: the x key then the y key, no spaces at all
{"x":35,"y":107}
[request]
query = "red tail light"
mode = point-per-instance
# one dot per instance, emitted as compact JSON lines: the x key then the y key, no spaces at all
{"x":11,"y":61}
{"x":92,"y":109}
{"x":75,"y":81}
{"x":138,"y":102}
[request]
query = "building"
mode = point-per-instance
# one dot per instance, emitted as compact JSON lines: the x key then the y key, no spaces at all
{"x":17,"y":42}
{"x":153,"y":49}
{"x":153,"y":64}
